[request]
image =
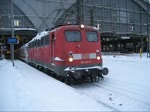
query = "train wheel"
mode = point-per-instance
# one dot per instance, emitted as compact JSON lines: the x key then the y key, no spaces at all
{"x":61,"y":78}
{"x":94,"y":77}
{"x":68,"y":80}
{"x":91,"y":78}
{"x":97,"y":78}
{"x":45,"y":71}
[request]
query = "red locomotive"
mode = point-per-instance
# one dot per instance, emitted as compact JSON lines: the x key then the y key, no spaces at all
{"x":71,"y":52}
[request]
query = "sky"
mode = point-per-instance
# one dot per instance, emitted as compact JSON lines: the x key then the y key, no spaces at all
{"x":125,"y":88}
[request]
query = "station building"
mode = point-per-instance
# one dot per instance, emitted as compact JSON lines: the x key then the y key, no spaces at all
{"x":124,"y":24}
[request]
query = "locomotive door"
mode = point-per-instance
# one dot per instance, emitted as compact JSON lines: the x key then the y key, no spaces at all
{"x":52,"y":46}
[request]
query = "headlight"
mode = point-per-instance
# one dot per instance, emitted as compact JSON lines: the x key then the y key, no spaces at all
{"x":98,"y":57}
{"x":82,"y":26}
{"x":70,"y":59}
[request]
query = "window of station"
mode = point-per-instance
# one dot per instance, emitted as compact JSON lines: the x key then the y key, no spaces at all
{"x":129,"y":45}
{"x":98,"y":3}
{"x":137,"y":18}
{"x":137,"y":8}
{"x":115,"y":16}
{"x":120,"y":46}
{"x":123,"y":17}
{"x":107,"y":3}
{"x":114,"y":3}
{"x":107,"y":14}
{"x":144,"y":18}
{"x":130,"y":5}
{"x":131,"y":17}
{"x":123,"y":4}
{"x":17,"y":23}
{"x":108,"y":47}
{"x":98,"y":13}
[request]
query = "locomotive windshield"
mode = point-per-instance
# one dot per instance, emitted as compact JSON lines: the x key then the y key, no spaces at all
{"x":73,"y":36}
{"x":91,"y":36}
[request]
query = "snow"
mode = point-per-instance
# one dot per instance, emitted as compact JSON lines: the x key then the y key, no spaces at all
{"x":58,"y":59}
{"x":132,"y":74}
{"x":125,"y":88}
{"x":39,"y":36}
{"x":24,"y":88}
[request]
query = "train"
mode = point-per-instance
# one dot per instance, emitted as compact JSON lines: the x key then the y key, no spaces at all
{"x":72,"y":53}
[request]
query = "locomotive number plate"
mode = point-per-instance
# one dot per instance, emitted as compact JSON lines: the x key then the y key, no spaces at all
{"x":86,"y":62}
{"x":85,"y":56}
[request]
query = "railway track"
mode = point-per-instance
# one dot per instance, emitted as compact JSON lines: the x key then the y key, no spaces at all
{"x":115,"y":97}
{"x":85,"y":86}
{"x":126,"y":92}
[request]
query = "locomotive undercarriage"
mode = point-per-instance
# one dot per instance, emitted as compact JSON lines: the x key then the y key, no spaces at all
{"x":92,"y":75}
{"x":74,"y":75}
{"x":81,"y":76}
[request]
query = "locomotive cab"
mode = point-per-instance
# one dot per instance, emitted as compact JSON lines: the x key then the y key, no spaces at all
{"x":81,"y":51}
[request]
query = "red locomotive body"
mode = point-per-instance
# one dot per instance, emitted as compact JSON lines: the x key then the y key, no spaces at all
{"x":72,"y":52}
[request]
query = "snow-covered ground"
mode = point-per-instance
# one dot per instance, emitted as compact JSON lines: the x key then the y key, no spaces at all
{"x":24,"y":88}
{"x":125,"y":88}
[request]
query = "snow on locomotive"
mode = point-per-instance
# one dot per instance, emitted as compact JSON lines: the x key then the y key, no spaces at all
{"x":71,"y":52}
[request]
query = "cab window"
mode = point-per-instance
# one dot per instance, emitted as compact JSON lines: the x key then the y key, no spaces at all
{"x":91,"y":36}
{"x":73,"y":36}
